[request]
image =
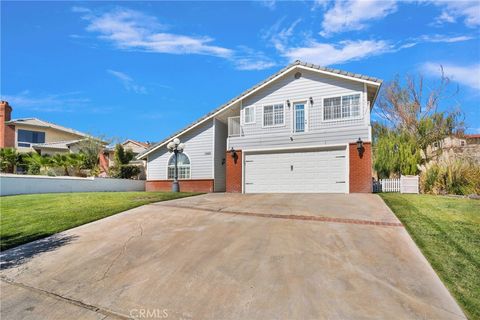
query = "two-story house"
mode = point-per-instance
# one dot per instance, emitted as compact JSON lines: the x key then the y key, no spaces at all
{"x":32,"y":134}
{"x":304,"y":129}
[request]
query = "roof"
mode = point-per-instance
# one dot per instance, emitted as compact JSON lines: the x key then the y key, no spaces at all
{"x":472,"y":136}
{"x":45,"y":124}
{"x":56,"y":145}
{"x":297,"y":63}
{"x":140,"y":144}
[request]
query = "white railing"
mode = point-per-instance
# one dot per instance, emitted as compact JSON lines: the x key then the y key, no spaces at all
{"x":406,"y":184}
{"x":234,"y":126}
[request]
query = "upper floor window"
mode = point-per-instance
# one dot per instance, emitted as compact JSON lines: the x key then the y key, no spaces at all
{"x":27,"y":137}
{"x":183,"y":165}
{"x":249,"y":115}
{"x":343,"y":107}
{"x":273,"y":115}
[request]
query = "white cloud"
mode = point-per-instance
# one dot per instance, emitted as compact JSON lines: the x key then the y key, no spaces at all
{"x":328,"y":54}
{"x":66,"y":102}
{"x":439,"y":38}
{"x":466,"y":10}
{"x":132,"y":30}
{"x":354,"y":15}
{"x":270,"y":4}
{"x":466,"y":75}
{"x":127,"y":82}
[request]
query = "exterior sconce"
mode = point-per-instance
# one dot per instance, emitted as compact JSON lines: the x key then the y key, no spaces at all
{"x":311,"y":100}
{"x":288,"y":103}
{"x":233,"y":153}
{"x":360,"y":146}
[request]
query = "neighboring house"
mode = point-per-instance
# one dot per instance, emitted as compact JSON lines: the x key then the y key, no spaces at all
{"x":107,"y":159}
{"x":466,"y":146}
{"x":294,"y":132}
{"x":32,"y":134}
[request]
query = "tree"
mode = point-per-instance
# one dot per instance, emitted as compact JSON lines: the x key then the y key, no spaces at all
{"x":407,"y":109}
{"x":122,"y":169}
{"x":8,"y":160}
{"x":62,"y":160}
{"x":395,"y":154}
{"x":91,"y":149}
{"x":36,"y":163}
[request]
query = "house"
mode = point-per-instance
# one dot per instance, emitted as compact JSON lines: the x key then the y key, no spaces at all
{"x":32,"y":134}
{"x":107,"y":158}
{"x":304,"y":129}
{"x":465,"y":146}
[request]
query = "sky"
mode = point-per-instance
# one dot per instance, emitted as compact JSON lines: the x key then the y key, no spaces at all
{"x":142,"y":70}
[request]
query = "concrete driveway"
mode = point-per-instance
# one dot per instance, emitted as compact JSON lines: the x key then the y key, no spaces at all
{"x":229,"y":256}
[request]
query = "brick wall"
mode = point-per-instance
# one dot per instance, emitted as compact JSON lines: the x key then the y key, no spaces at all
{"x":7,"y":133}
{"x":194,"y":185}
{"x":360,"y":168}
{"x":234,"y":172}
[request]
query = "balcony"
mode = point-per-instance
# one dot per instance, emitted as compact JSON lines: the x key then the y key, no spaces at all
{"x":234,"y":126}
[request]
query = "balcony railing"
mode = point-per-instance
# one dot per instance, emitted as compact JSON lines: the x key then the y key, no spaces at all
{"x":234,"y":126}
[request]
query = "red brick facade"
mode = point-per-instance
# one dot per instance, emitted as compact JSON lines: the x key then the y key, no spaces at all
{"x":193,"y":185}
{"x":7,"y":133}
{"x":234,"y":172}
{"x":360,"y":168}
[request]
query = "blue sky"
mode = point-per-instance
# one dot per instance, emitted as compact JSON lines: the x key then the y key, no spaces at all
{"x":142,"y":70}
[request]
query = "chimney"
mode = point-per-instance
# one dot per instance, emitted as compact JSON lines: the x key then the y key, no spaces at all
{"x":7,"y":132}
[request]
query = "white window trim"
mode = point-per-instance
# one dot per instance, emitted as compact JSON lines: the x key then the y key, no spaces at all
{"x":167,"y":166}
{"x":306,"y":102}
{"x":254,"y":115}
{"x":284,"y":115}
{"x":360,"y":112}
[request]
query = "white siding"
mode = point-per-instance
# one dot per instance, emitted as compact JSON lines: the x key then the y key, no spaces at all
{"x":311,"y":84}
{"x":220,"y":149}
{"x":198,"y":147}
{"x":328,"y":136}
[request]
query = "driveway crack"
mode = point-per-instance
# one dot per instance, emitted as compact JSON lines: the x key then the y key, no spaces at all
{"x":121,"y":253}
{"x":107,"y":313}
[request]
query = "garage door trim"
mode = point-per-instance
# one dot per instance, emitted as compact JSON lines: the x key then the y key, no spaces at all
{"x":300,"y":148}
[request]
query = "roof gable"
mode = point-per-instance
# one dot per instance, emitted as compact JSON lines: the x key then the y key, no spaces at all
{"x":297,"y":64}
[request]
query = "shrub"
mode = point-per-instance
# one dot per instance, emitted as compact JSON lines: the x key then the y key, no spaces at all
{"x":457,"y":176}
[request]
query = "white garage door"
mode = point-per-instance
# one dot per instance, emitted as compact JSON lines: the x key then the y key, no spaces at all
{"x":299,"y":171}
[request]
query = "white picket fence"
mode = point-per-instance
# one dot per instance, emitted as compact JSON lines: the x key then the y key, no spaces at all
{"x":406,"y":184}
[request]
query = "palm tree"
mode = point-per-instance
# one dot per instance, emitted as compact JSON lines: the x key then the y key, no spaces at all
{"x":63,"y":161}
{"x":8,"y":160}
{"x":37,"y":163}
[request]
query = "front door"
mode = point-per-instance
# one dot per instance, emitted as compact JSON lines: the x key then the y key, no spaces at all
{"x":299,"y":117}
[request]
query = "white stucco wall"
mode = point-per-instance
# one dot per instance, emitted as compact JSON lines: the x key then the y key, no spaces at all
{"x":11,"y":184}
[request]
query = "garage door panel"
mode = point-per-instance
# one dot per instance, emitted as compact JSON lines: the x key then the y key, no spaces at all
{"x":305,"y":171}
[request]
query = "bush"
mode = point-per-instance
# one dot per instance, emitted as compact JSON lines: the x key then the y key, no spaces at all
{"x":125,"y":171}
{"x":456,"y":176}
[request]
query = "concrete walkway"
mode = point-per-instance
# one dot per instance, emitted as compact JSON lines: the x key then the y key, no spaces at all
{"x":224,"y":256}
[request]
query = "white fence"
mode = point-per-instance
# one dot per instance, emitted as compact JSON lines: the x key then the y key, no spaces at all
{"x":406,"y":184}
{"x":11,"y":184}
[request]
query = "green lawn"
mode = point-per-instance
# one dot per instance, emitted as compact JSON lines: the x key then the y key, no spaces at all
{"x":25,"y":218}
{"x":447,"y":230}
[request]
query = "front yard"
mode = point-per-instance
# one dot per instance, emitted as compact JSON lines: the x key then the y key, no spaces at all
{"x":25,"y":218}
{"x":447,"y":230}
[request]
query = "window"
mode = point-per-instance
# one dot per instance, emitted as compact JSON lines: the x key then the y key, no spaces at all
{"x":273,"y":115}
{"x":249,"y":113}
{"x":183,"y":165}
{"x":26,"y":137}
{"x":345,"y":107}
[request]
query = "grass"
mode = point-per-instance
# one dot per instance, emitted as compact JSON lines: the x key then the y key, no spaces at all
{"x":25,"y":218}
{"x":447,"y":230}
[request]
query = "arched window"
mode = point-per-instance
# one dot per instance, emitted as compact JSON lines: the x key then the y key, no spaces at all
{"x":183,"y":164}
